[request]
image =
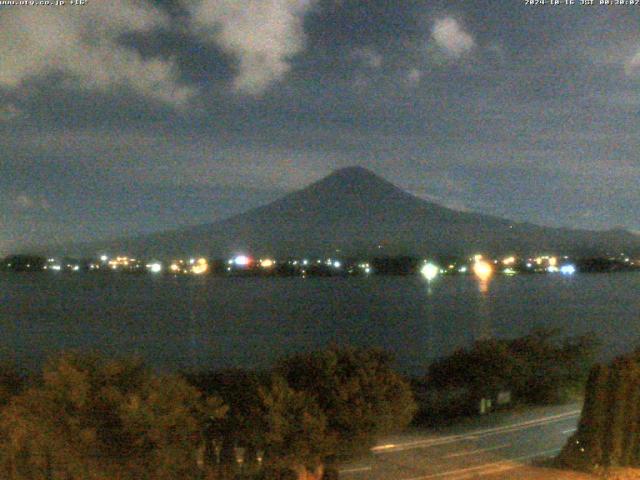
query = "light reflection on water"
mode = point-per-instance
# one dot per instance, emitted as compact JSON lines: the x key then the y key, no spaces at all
{"x":209,"y":322}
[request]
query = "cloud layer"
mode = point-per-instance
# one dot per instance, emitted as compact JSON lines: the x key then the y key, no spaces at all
{"x":262,"y":34}
{"x":451,"y":37}
{"x":83,"y":43}
{"x":632,"y":66}
{"x":139,"y":115}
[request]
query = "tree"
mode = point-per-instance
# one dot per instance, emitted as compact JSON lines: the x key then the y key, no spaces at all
{"x":536,"y":368}
{"x":607,"y":433}
{"x":294,"y":430}
{"x":11,"y":383}
{"x":484,"y":369}
{"x":358,"y":391}
{"x":94,"y":418}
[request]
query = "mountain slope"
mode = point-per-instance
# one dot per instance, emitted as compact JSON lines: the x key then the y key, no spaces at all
{"x":357,"y":212}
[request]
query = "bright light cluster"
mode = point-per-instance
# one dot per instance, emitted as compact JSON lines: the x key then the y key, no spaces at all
{"x":482,"y":269}
{"x":242,"y":260}
{"x":430,"y":271}
{"x":200,"y":266}
{"x":155,"y":267}
{"x":267,"y":263}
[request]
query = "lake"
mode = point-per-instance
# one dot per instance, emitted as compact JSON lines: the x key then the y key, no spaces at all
{"x":219,"y":322}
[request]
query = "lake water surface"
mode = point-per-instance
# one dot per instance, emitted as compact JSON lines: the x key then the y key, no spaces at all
{"x":213,"y":322}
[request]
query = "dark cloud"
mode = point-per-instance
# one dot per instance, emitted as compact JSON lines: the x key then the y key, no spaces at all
{"x":140,"y":116}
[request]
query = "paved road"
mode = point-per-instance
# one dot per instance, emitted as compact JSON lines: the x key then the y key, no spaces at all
{"x":495,"y":446}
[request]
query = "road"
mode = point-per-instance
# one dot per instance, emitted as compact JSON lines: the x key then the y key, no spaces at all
{"x":495,"y":446}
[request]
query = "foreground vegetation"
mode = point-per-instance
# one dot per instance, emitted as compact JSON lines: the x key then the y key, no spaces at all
{"x":608,"y":434}
{"x":540,"y":368}
{"x":92,"y":418}
{"x":88,"y":417}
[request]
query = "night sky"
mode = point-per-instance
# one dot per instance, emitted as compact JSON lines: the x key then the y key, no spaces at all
{"x":126,"y":116}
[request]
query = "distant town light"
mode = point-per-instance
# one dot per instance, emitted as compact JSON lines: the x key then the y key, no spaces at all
{"x":429,"y":271}
{"x":200,"y":266}
{"x":482,"y":269}
{"x":242,"y":260}
{"x":568,"y":269}
{"x":104,"y":258}
{"x":462,"y":269}
{"x":509,"y":260}
{"x":337,"y":264}
{"x":154,"y":267}
{"x":267,"y":263}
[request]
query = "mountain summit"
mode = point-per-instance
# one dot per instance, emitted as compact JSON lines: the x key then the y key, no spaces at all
{"x":356,"y":212}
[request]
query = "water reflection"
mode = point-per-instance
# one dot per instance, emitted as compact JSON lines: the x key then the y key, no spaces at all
{"x":484,"y":324}
{"x":483,"y":271}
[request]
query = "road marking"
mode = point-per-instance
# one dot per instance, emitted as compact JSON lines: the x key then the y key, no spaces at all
{"x":479,"y":450}
{"x":474,"y":435}
{"x":487,"y":468}
{"x":355,"y":470}
{"x":567,"y":432}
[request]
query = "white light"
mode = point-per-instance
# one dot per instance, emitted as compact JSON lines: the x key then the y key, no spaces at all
{"x":552,"y":269}
{"x":367,"y":270}
{"x":462,"y":270}
{"x":56,"y":267}
{"x":104,"y":258}
{"x":305,"y":262}
{"x":242,"y":260}
{"x":568,"y":269}
{"x":76,"y":268}
{"x":337,"y":264}
{"x":429,"y":271}
{"x":154,"y":267}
